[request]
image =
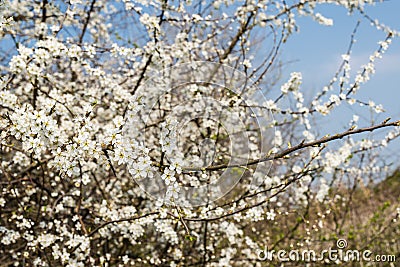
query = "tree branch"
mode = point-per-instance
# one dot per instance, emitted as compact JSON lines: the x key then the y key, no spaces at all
{"x":87,"y":21}
{"x":302,"y":145}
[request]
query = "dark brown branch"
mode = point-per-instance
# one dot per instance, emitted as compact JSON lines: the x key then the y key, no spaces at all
{"x":87,"y":20}
{"x":121,"y":220}
{"x":302,"y":145}
{"x":142,"y":74}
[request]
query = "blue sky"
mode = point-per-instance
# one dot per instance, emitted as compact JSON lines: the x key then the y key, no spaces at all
{"x":317,"y":53}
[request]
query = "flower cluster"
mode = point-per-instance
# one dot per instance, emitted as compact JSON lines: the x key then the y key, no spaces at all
{"x":112,"y":157}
